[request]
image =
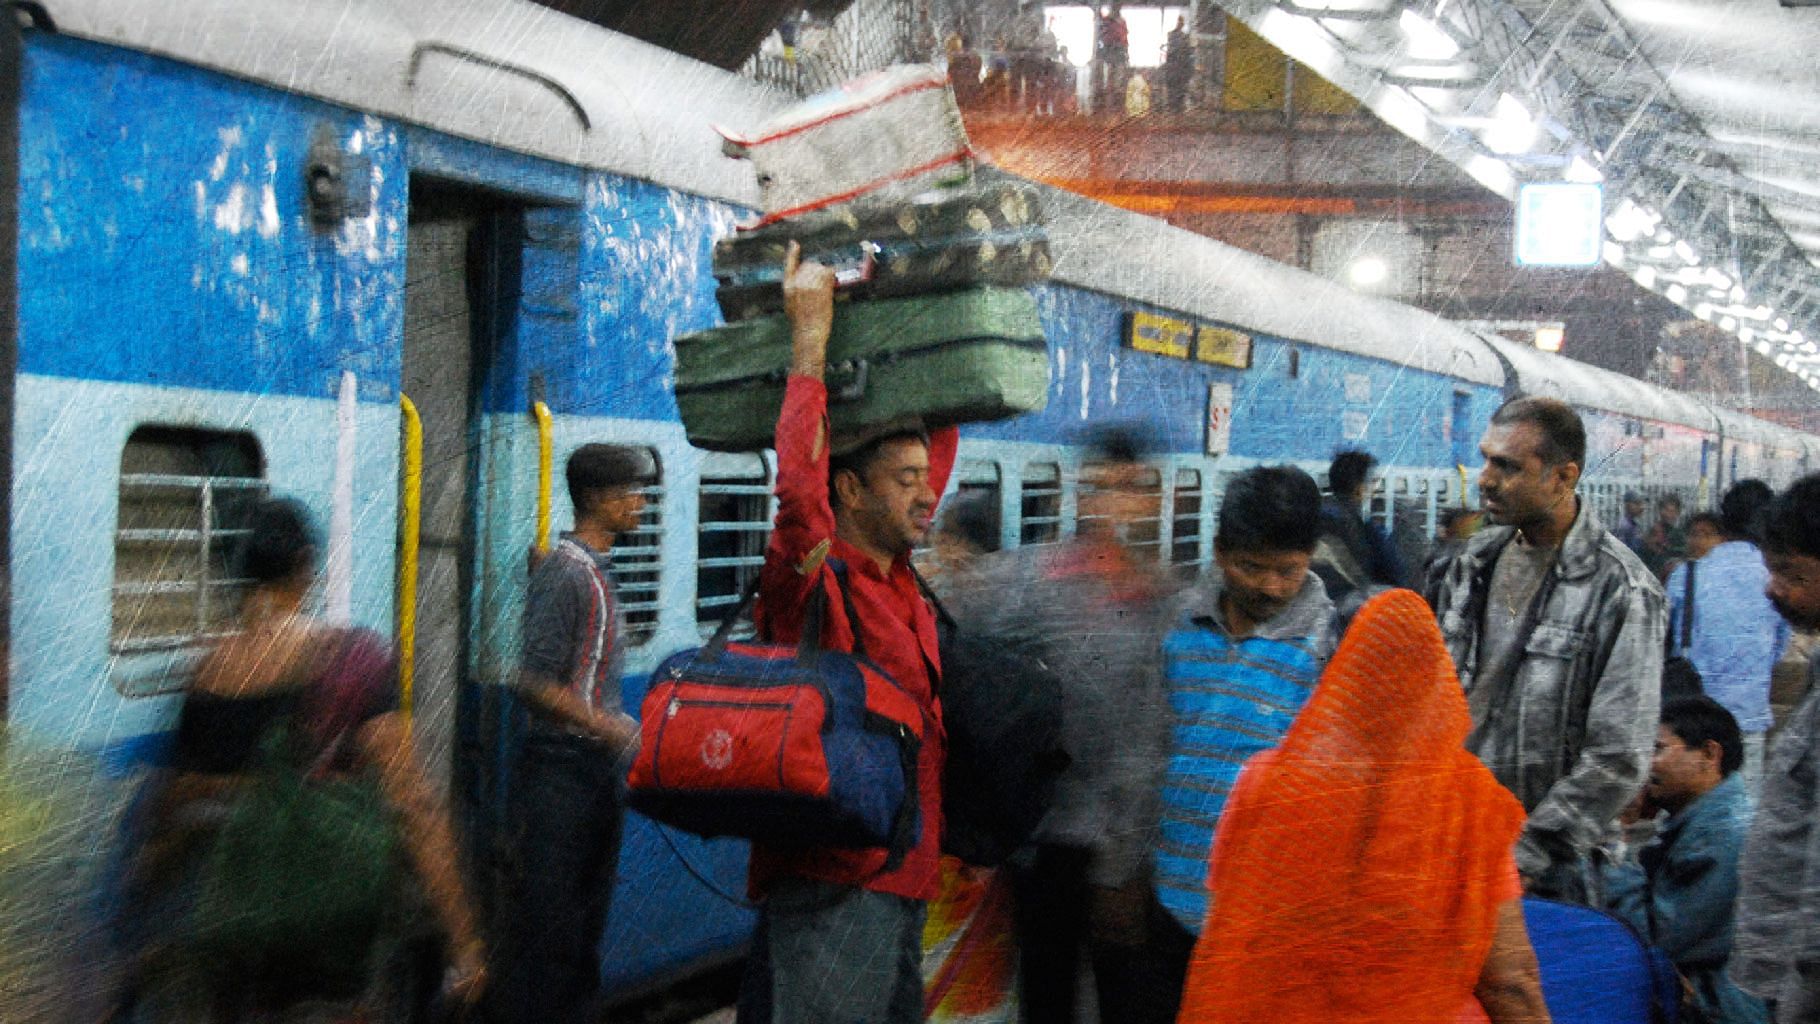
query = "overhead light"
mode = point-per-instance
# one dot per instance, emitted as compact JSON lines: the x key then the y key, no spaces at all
{"x":1549,"y":339}
{"x":1427,"y":41}
{"x":1369,"y":272}
{"x":1512,"y":129}
{"x":1781,"y":324}
{"x":1686,"y":252}
{"x":1613,"y":253}
{"x":1717,"y":279}
{"x":1746,"y":334}
{"x":1581,"y":171}
{"x":1704,"y":311}
{"x":1738,"y":294}
{"x":1763,"y":348}
{"x":1729,"y":323}
{"x":1645,"y":276}
{"x":1629,"y":222}
{"x":1676,"y":294}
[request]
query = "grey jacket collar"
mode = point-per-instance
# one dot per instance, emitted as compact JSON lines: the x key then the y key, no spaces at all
{"x":1579,"y":555}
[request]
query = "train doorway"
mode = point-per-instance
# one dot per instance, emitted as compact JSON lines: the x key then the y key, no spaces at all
{"x":449,"y":303}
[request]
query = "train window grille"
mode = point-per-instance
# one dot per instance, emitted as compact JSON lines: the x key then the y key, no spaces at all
{"x":733,"y":524}
{"x":1185,"y":525}
{"x":1040,"y":504}
{"x":1144,"y":536}
{"x":638,"y":563}
{"x":184,"y":502}
{"x":980,"y":476}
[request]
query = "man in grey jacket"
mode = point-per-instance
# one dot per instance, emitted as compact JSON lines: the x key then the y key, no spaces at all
{"x":1776,"y":953}
{"x":1557,"y":630}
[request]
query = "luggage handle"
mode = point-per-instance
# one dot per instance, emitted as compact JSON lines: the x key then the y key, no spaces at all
{"x":855,"y":388}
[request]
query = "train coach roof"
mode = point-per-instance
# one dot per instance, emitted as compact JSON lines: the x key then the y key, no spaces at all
{"x":1118,"y":252}
{"x":1740,"y":426}
{"x":1543,"y":373}
{"x":503,"y":72}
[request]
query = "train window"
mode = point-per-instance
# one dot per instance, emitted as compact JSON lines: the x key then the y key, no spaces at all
{"x":1147,"y":533}
{"x":980,"y":476}
{"x":734,"y":521}
{"x":638,"y":562}
{"x":1040,"y":504}
{"x":185,"y":496}
{"x":1185,"y":535}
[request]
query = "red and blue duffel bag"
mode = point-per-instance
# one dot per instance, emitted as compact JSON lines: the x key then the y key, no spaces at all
{"x":788,"y":745}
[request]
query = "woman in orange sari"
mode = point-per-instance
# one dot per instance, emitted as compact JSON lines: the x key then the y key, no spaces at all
{"x":1362,"y":871}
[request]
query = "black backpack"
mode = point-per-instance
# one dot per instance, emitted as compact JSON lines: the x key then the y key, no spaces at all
{"x":1002,"y":709}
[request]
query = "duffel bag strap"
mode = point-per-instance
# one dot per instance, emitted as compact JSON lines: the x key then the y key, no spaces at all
{"x":941,"y":611}
{"x":839,"y":567}
{"x":903,"y":827}
{"x":717,"y":644}
{"x":814,"y":614}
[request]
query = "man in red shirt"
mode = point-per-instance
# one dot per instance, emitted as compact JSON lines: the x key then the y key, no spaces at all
{"x":840,"y":936}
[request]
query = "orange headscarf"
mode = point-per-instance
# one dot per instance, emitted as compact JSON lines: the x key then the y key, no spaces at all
{"x":1358,"y":868}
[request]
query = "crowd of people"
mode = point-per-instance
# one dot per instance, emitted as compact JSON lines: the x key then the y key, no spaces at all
{"x":1315,"y":783}
{"x":1027,"y":70}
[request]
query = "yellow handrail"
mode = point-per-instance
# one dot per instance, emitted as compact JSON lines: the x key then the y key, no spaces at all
{"x":1461,"y":468}
{"x":545,"y":457}
{"x":410,"y":522}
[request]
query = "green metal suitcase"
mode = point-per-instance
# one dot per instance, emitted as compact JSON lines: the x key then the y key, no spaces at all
{"x":987,"y":235}
{"x":956,"y":357}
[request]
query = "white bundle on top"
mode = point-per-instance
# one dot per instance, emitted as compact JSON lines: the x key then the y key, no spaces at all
{"x":895,"y":132}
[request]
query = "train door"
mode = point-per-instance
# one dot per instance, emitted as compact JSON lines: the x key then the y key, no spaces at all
{"x":445,"y":313}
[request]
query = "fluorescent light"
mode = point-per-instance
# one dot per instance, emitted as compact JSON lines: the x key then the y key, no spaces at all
{"x":1645,"y":276}
{"x":1704,"y":311}
{"x":1614,"y":253}
{"x":1512,"y":129}
{"x":1579,"y":170}
{"x":1629,"y":221}
{"x":1738,"y":293}
{"x":1369,"y":272}
{"x":1763,"y":348}
{"x":1686,"y":252}
{"x":1781,"y":324}
{"x":1676,"y":294}
{"x":1729,"y":323}
{"x":1427,"y":41}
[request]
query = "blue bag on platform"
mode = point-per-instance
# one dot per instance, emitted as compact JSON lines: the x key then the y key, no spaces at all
{"x":1597,"y":970}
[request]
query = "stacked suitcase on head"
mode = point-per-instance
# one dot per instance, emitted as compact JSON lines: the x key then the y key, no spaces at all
{"x":932,"y":319}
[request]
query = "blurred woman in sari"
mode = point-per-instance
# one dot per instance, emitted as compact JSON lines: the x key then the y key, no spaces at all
{"x":1362,"y":871}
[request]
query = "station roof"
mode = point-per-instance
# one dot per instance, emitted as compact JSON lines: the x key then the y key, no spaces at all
{"x":1702,"y":118}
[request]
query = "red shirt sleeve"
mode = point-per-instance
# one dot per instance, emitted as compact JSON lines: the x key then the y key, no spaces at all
{"x":943,"y":444}
{"x":804,"y":528}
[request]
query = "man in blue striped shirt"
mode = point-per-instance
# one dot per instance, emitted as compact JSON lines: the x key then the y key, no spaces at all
{"x":1245,"y":652}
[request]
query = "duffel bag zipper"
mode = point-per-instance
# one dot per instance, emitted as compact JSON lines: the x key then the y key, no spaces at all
{"x":678,"y":703}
